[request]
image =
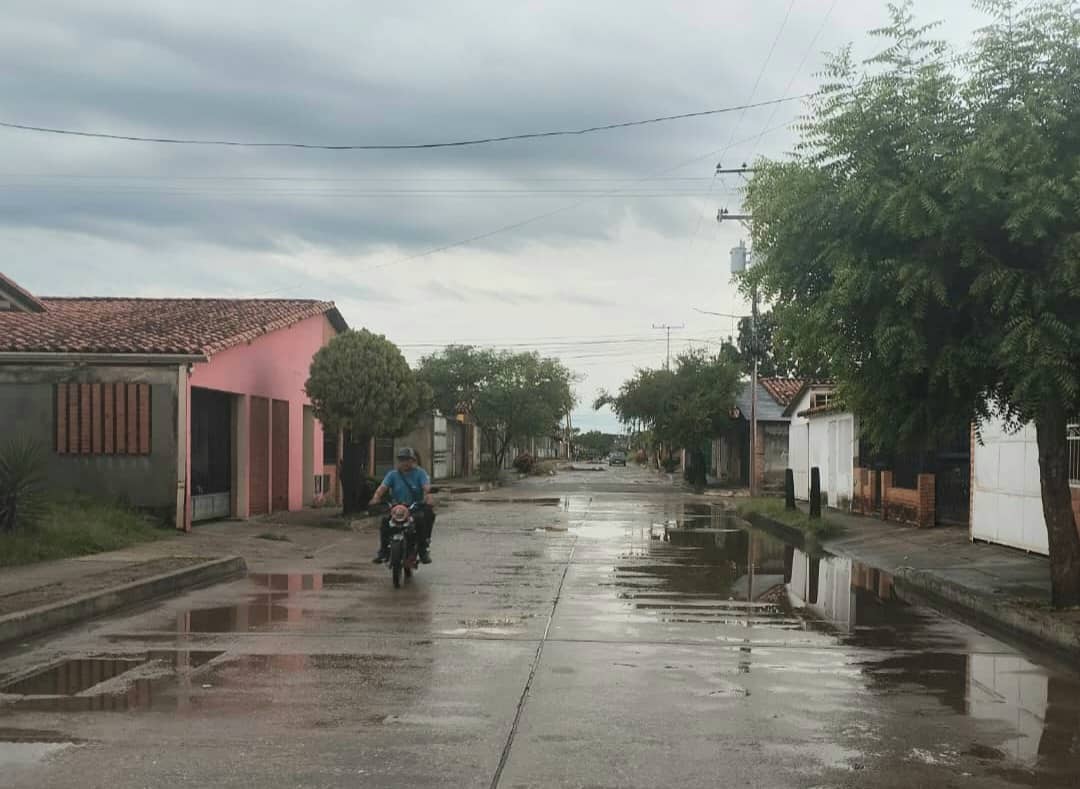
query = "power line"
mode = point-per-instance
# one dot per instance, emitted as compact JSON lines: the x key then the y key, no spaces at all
{"x":391,"y":146}
{"x":738,"y":122}
{"x":347,"y":179}
{"x":538,"y":217}
{"x":349,"y":195}
{"x":523,"y":222}
{"x":799,"y":68}
{"x":572,"y":345}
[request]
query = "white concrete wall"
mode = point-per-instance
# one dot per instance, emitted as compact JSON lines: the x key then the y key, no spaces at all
{"x":799,"y":449}
{"x":833,"y":446}
{"x":1006,"y":505}
{"x":828,"y":441}
{"x":835,"y":597}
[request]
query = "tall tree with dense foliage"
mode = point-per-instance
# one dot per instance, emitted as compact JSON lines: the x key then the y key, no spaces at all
{"x":594,"y":444}
{"x":926,"y":236}
{"x":686,"y":407}
{"x":511,"y":396}
{"x":360,"y":382}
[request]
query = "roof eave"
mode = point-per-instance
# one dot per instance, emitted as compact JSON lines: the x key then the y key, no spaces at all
{"x":336,"y":320}
{"x":67,"y":357}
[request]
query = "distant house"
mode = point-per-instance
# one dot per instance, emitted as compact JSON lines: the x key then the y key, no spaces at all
{"x":192,"y":407}
{"x":730,"y":462}
{"x":1006,"y":497}
{"x":446,"y":447}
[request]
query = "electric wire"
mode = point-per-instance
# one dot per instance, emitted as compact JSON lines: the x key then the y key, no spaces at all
{"x":390,"y":146}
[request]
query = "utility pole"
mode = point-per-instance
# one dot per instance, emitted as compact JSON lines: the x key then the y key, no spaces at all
{"x":740,"y":259}
{"x":668,"y":327}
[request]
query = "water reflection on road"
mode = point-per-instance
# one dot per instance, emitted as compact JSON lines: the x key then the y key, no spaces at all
{"x":597,"y":638}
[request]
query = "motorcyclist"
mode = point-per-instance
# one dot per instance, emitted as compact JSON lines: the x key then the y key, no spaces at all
{"x":407,"y":484}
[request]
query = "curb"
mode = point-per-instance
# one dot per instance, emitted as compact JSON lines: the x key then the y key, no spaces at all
{"x":796,"y":537}
{"x":1029,"y":623}
{"x":35,"y":621}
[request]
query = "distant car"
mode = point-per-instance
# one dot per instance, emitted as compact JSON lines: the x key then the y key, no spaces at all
{"x":617,"y":459}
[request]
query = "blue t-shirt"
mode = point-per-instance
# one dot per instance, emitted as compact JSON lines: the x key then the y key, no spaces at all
{"x":406,"y":488}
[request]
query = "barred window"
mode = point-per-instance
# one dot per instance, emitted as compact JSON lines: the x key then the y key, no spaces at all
{"x":102,"y":419}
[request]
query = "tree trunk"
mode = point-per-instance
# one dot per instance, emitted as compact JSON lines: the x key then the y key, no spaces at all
{"x":1050,"y":427}
{"x":698,"y":475}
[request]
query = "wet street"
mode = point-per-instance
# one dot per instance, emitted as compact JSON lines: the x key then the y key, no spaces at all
{"x":593,"y":629}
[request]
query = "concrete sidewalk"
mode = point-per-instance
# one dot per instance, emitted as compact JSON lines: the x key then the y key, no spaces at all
{"x":991,"y":584}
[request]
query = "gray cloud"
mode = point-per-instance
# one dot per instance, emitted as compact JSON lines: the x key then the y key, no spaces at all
{"x":158,"y":219}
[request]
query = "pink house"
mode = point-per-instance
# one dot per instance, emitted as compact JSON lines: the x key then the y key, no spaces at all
{"x":192,"y":407}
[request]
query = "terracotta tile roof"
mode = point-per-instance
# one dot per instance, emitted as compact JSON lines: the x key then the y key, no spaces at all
{"x":817,"y":410}
{"x":782,"y":390}
{"x":196,"y":327}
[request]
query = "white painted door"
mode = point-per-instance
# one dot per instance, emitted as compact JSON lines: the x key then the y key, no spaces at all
{"x":440,"y":466}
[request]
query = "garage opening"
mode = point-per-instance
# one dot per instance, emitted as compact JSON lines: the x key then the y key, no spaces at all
{"x":211,"y":454}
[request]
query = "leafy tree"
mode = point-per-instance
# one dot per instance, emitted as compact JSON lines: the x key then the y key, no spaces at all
{"x":926,"y":237}
{"x":643,"y":402}
{"x":360,"y":382}
{"x":685,"y":407}
{"x":594,"y":443}
{"x":511,"y":396}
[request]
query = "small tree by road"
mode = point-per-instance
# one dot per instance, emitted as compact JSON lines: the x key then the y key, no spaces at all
{"x":361,"y":382}
{"x":685,"y":408}
{"x":926,"y":237}
{"x":510,"y":396}
{"x":594,"y":444}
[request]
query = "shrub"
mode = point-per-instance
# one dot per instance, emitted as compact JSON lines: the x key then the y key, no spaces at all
{"x":524,"y":462}
{"x":22,"y":484}
{"x":670,"y":464}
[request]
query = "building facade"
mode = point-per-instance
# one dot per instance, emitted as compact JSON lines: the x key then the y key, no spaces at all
{"x":194,"y":408}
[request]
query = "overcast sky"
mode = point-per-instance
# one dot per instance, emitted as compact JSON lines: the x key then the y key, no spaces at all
{"x":624,"y":233}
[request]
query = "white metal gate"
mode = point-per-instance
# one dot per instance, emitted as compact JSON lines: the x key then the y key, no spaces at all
{"x":440,"y":466}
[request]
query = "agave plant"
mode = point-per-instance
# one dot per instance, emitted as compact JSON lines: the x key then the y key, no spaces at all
{"x":22,"y":484}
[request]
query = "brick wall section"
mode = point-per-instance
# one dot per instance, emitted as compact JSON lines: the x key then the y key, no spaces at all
{"x":903,"y":505}
{"x":864,"y":483}
{"x":927,"y":501}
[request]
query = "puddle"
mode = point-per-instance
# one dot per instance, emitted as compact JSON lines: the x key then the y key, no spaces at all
{"x":237,"y":618}
{"x":304,"y":582}
{"x":74,"y":677}
{"x":70,"y":677}
{"x":121,"y":684}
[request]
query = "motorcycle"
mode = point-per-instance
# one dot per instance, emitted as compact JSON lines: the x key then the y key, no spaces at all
{"x":403,"y":542}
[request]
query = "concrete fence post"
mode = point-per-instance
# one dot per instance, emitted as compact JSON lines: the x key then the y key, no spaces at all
{"x":789,"y":489}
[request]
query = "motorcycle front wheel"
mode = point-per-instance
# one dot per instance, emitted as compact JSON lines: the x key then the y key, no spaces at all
{"x":397,"y":561}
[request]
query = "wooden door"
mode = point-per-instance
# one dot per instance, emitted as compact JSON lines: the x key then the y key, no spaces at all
{"x":259,"y":456}
{"x":279,"y":446}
